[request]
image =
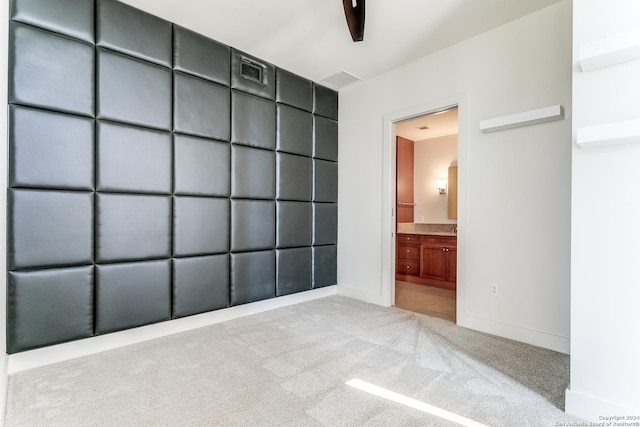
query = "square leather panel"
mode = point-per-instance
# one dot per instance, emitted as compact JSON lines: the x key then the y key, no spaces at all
{"x":265,"y":88}
{"x":294,"y":224}
{"x":50,"y":150}
{"x":201,"y":226}
{"x":47,"y":307}
{"x":132,"y":294}
{"x":253,"y":173}
{"x":34,"y":54}
{"x":293,"y":271}
{"x":202,"y":167}
{"x":253,"y":277}
{"x":253,"y":225}
{"x":129,"y":30}
{"x":294,"y":179}
{"x":131,"y":227}
{"x":253,"y":121}
{"x":49,"y":228}
{"x":294,"y":131}
{"x":325,"y":101}
{"x":202,"y":108}
{"x":294,"y":90}
{"x":325,"y":266}
{"x":133,"y":91}
{"x":325,"y":183}
{"x":325,"y":223}
{"x":73,"y":18}
{"x":201,"y":56}
{"x":132,"y":159}
{"x":200,"y":284}
{"x":325,"y":138}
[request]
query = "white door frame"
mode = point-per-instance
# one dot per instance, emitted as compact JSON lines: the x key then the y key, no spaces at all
{"x":388,"y":261}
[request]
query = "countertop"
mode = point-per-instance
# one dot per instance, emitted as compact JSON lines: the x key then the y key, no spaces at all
{"x":430,"y":233}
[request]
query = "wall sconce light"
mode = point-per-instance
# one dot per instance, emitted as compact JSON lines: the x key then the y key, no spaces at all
{"x":441,"y":185}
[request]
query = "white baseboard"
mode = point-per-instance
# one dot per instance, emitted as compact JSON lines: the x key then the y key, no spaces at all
{"x":594,"y":409}
{"x":71,"y":350}
{"x":366,"y":296}
{"x":530,"y":336}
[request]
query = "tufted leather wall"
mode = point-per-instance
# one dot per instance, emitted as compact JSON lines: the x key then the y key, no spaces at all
{"x":151,"y":177}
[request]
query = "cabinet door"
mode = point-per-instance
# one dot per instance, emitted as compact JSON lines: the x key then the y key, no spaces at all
{"x":404,"y":180}
{"x":452,"y":264}
{"x":434,"y":262}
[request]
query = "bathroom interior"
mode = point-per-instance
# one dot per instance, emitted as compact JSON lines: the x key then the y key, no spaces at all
{"x":426,"y":219}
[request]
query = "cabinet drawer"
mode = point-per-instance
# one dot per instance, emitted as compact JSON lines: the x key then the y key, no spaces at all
{"x":439,"y":241}
{"x":408,"y":267}
{"x":409,"y":252}
{"x":408,"y":238}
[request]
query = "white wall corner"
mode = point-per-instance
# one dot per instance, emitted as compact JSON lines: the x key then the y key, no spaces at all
{"x":613,"y":50}
{"x":376,"y":298}
{"x":596,"y":410}
{"x":526,"y":118}
{"x":624,"y":132}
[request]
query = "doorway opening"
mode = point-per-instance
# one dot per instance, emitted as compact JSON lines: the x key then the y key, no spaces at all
{"x":426,"y":190}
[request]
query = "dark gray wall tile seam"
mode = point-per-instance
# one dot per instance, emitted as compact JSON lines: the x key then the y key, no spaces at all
{"x":129,"y":56}
{"x":296,"y":107}
{"x":199,"y":137}
{"x":28,"y":24}
{"x":133,"y":125}
{"x":47,"y":267}
{"x":241,"y":144}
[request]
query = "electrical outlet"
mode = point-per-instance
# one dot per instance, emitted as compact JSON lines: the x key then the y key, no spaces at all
{"x":494,"y":290}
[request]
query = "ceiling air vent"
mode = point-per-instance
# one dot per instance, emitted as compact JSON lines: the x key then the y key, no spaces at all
{"x":252,"y":70}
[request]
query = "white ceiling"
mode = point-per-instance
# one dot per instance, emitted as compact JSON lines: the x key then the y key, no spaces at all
{"x":440,"y":124}
{"x":311,"y":38}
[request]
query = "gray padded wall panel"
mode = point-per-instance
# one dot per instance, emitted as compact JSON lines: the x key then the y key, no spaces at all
{"x":198,"y":55}
{"x":33,"y":54}
{"x":294,"y":224}
{"x":129,"y":30}
{"x":132,"y":294}
{"x":145,"y":161}
{"x":202,"y":108}
{"x":324,"y":266}
{"x":294,"y":131}
{"x":50,"y":149}
{"x":293,"y":270}
{"x":266,"y":88}
{"x":325,"y":102}
{"x":253,"y":121}
{"x":325,"y":223}
{"x":253,"y":277}
{"x":133,"y":159}
{"x":325,"y":138}
{"x":325,"y":184}
{"x":201,"y":226}
{"x":201,"y":167}
{"x":253,"y":224}
{"x":73,"y":18}
{"x":49,"y":307}
{"x":294,"y":177}
{"x":49,"y":228}
{"x":200,"y":284}
{"x":132,"y":227}
{"x":133,"y":91}
{"x":294,"y":90}
{"x":253,"y":173}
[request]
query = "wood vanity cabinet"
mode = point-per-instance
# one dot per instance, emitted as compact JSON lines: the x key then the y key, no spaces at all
{"x":408,"y":260}
{"x":439,"y":258}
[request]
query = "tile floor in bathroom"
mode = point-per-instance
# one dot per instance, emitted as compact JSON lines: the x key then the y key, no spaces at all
{"x":436,"y":302}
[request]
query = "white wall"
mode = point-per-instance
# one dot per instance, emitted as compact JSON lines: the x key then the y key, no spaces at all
{"x":431,"y":160}
{"x":514,"y":221}
{"x":605,"y":266}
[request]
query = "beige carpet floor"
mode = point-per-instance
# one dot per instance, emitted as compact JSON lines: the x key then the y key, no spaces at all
{"x":289,"y":367}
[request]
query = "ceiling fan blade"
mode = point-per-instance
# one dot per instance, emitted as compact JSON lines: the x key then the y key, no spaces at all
{"x":354,"y":12}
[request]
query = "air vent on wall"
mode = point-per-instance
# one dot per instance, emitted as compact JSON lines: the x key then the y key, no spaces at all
{"x":251,"y":70}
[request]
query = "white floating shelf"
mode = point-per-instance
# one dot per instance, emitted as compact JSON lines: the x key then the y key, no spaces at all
{"x":527,"y":118}
{"x":610,"y":51}
{"x":609,"y":134}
